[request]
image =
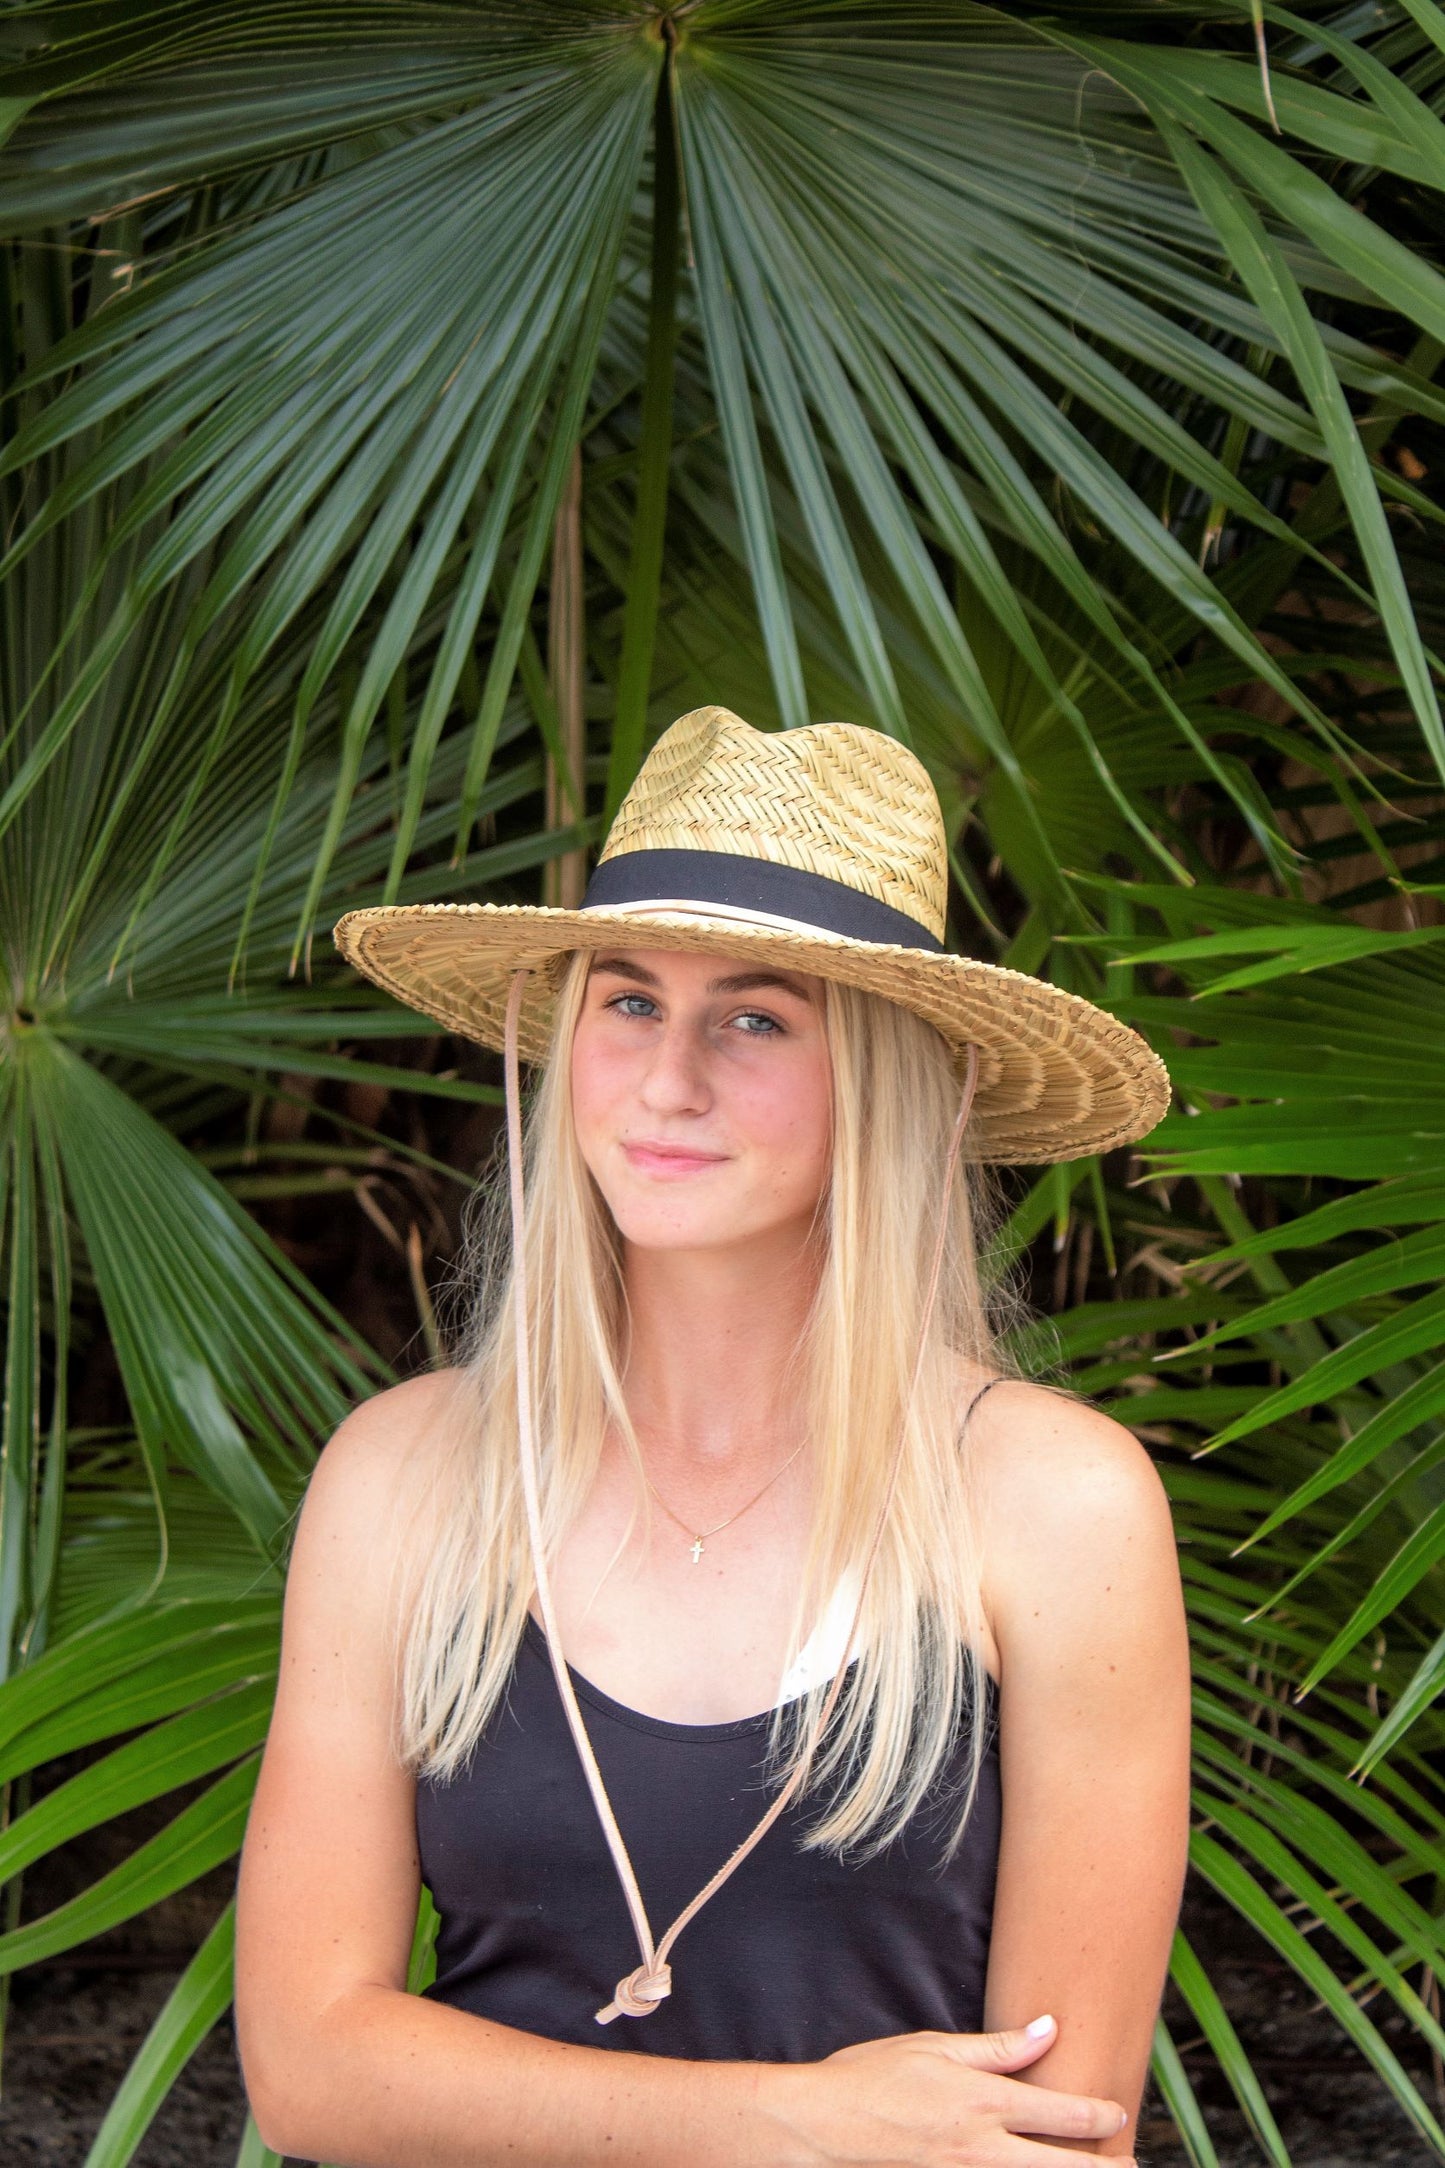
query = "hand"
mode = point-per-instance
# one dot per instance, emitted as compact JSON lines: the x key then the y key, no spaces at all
{"x":941,"y":2100}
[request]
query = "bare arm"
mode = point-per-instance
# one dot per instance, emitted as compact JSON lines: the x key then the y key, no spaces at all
{"x":1085,"y":1601}
{"x":342,"y":2065}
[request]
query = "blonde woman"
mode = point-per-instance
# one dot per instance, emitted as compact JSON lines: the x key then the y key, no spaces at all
{"x":786,"y":1709}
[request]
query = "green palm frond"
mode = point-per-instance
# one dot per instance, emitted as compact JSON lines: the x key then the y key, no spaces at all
{"x":1055,"y":392}
{"x":860,"y":282}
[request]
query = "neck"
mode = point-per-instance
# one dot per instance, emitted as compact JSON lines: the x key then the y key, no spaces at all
{"x":713,"y":1332}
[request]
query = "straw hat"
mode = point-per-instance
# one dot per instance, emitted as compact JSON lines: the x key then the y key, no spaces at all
{"x":822,"y":849}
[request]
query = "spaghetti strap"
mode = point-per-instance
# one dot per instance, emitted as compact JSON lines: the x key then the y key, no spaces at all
{"x":982,"y":1393}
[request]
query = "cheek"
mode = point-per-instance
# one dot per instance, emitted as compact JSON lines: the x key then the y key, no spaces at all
{"x":600,"y":1085}
{"x":787,"y":1118}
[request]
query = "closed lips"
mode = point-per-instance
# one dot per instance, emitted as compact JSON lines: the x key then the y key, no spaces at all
{"x":672,"y":1154}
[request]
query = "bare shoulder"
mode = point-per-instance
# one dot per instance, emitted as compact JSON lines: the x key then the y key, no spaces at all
{"x":1072,"y":1509}
{"x":1040,"y":1452}
{"x":371,"y":1475}
{"x":388,"y":1443}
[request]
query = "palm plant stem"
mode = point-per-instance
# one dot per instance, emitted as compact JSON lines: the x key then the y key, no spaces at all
{"x":564,"y":878}
{"x":644,"y":572}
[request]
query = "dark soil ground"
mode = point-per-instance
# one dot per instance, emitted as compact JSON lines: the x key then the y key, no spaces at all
{"x":75,"y":2023}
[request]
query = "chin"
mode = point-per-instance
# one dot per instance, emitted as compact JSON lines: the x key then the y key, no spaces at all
{"x":674,"y":1231}
{"x":651,"y":1221}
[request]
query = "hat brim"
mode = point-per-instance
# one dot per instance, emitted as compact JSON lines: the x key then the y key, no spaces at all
{"x":1059,"y":1078}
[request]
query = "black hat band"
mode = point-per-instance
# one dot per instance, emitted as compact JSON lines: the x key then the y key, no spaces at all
{"x":754,"y":884}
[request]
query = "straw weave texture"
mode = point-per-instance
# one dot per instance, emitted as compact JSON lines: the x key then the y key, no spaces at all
{"x":1059,"y":1078}
{"x":831,"y":798}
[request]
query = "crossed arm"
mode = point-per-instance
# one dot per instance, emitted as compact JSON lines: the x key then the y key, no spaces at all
{"x":1083,"y":1592}
{"x":1083,"y":1596}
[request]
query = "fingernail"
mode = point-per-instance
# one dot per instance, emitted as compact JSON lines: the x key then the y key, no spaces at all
{"x":1038,"y":2027}
{"x":1123,"y":2119}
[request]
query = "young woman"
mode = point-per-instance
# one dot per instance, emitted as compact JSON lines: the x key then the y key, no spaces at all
{"x":786,"y":1708}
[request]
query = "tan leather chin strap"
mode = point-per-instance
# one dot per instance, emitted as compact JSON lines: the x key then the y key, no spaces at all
{"x":651,"y":1983}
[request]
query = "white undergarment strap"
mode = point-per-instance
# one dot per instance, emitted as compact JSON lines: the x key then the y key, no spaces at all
{"x":827,"y":1649}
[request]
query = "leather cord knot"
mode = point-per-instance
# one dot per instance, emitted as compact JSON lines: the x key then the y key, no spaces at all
{"x":639,"y":1994}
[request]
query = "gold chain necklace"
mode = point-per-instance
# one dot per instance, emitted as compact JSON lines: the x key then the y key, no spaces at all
{"x":701,"y":1536}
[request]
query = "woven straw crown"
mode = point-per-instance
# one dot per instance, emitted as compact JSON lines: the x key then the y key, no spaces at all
{"x":830,"y":798}
{"x":824,"y":849}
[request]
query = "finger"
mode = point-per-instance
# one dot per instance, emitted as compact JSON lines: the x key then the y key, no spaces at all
{"x":1008,"y":2049}
{"x":1036,"y":2111}
{"x":1024,"y":2153}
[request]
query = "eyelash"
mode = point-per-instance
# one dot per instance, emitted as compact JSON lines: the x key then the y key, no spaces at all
{"x":776,"y":1032}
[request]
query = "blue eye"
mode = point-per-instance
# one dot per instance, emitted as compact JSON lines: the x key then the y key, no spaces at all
{"x":772,"y":1029}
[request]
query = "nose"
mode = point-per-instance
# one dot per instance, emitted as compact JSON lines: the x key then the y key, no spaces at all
{"x":675,"y":1080}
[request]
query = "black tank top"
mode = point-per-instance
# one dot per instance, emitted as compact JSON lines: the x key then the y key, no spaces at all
{"x":797,"y":1955}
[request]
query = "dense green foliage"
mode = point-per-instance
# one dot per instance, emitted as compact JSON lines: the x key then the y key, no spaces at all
{"x":1056,"y":392}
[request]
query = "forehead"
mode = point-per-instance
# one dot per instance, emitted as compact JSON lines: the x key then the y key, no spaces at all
{"x":700,"y":971}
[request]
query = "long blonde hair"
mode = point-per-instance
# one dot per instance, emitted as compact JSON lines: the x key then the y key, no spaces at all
{"x":467,"y":1576}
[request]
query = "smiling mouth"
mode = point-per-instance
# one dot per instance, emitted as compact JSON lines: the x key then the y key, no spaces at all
{"x":660,"y":1157}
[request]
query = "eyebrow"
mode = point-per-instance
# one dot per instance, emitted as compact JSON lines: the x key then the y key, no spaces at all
{"x":737,"y":982}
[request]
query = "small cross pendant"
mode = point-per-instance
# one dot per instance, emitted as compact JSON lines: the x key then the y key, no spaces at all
{"x":696,"y":1549}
